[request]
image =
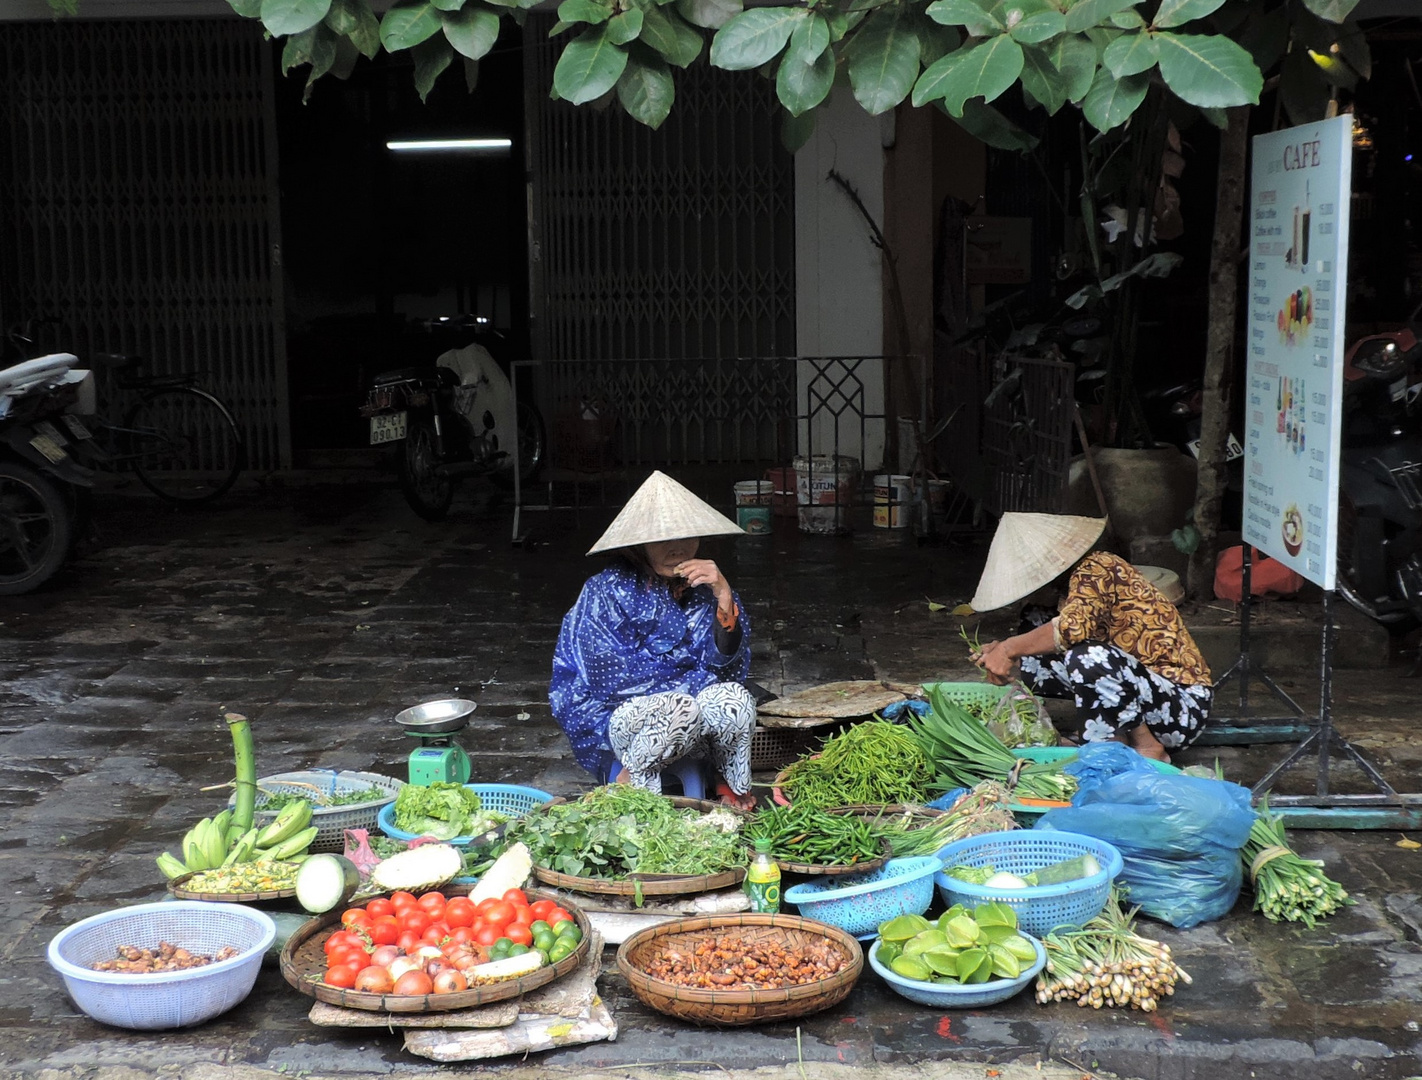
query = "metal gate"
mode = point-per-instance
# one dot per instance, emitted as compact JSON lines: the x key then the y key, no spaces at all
{"x":138,"y":203}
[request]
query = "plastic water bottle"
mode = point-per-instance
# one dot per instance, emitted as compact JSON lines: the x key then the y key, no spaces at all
{"x":763,"y":880}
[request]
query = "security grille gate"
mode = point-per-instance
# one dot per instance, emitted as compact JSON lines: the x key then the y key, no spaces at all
{"x":138,"y":203}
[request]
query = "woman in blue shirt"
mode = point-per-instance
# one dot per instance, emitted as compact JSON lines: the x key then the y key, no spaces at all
{"x":650,"y":660}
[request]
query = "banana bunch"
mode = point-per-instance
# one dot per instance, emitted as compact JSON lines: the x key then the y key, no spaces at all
{"x":215,"y":842}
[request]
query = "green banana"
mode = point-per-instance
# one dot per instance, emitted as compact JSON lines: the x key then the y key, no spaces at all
{"x":193,"y":855}
{"x":215,"y":844}
{"x":171,"y":866}
{"x":222,"y":821}
{"x":294,"y":817}
{"x":243,"y":850}
{"x":234,"y":833}
{"x":294,"y":845}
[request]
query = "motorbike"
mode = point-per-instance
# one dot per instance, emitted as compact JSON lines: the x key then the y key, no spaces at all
{"x":1380,"y":481}
{"x":42,"y":487}
{"x":453,"y":421}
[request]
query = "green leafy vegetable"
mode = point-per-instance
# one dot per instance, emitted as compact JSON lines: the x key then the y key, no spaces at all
{"x":442,"y":810}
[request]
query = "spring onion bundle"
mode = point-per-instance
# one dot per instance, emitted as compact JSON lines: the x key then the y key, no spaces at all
{"x":872,"y":762}
{"x":1286,"y":886}
{"x":1106,"y":963}
{"x":964,"y":753}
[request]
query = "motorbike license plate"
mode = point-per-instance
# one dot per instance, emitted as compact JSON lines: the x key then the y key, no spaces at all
{"x":388,"y":427}
{"x":49,"y":448}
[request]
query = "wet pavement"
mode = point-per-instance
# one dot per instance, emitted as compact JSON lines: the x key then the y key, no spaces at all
{"x":321,"y":609}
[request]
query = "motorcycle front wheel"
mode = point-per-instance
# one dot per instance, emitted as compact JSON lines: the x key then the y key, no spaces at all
{"x":36,"y":528}
{"x":532,"y":447}
{"x":428,"y":494}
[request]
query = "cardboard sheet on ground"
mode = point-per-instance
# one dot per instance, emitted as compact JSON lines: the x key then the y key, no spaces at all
{"x":836,"y":700}
{"x":617,"y":918}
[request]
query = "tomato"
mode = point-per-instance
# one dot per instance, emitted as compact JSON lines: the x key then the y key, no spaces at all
{"x":516,"y":896}
{"x":459,"y":911}
{"x":519,"y":934}
{"x":523,"y":915}
{"x":414,"y":920}
{"x":485,"y":904}
{"x":556,"y":916}
{"x":380,"y":906}
{"x":500,"y":913}
{"x":487,"y":936}
{"x":341,"y":939}
{"x":432,"y":900}
{"x":408,"y":941}
{"x":401,"y":900}
{"x":461,"y":935}
{"x":356,"y":917}
{"x":349,"y":957}
{"x":385,"y":930}
{"x":542,"y":908}
{"x":436,"y":933}
{"x":342,"y":975}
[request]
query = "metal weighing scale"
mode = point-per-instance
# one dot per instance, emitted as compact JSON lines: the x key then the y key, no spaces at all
{"x":438,"y":759}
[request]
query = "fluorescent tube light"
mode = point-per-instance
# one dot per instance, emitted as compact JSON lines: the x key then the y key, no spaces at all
{"x":449,"y":145}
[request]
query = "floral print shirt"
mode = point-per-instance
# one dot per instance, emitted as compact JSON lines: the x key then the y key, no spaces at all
{"x":1108,"y":600}
{"x":627,"y":637}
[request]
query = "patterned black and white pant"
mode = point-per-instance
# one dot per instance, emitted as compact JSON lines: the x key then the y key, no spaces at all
{"x":649,"y":733}
{"x":1115,"y":692}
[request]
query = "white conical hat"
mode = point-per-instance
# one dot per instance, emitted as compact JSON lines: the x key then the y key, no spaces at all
{"x":661,"y":509}
{"x":1028,"y":551}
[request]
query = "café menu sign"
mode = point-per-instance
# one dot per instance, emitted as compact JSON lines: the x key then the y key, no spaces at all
{"x":1298,"y":275}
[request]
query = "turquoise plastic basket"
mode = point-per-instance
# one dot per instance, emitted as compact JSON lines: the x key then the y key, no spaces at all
{"x":1028,"y":815}
{"x":969,"y":693}
{"x":858,"y":903}
{"x":1042,"y":908}
{"x":511,"y":799}
{"x":960,"y":996}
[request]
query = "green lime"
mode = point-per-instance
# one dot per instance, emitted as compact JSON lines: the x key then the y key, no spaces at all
{"x":537,"y":925}
{"x":518,"y":950}
{"x":562,"y":948}
{"x":568,"y":930}
{"x":500,"y":949}
{"x":544,"y":939}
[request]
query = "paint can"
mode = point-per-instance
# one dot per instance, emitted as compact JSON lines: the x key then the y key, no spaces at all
{"x":893,"y":501}
{"x":824,"y":492}
{"x":753,"y":506}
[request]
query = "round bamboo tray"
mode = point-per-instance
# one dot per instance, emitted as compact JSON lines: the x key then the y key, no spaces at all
{"x":179,"y":893}
{"x":917,"y":816}
{"x":864,"y":866}
{"x":736,"y":1008}
{"x":652,"y":884}
{"x":303,"y":961}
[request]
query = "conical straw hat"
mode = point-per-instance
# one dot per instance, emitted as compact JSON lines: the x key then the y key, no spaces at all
{"x":661,"y":509}
{"x":1028,"y":551}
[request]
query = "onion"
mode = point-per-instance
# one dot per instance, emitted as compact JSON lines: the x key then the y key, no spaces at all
{"x":434,"y":967}
{"x":450,"y":982}
{"x":426,"y":953}
{"x":413,"y":983}
{"x":465,"y":962}
{"x":402,"y":964}
{"x":374,"y":980}
{"x":384,"y":955}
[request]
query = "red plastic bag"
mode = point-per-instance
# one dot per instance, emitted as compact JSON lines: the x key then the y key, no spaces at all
{"x":1267,"y":577}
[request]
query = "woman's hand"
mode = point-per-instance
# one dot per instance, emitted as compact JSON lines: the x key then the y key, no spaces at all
{"x":997,"y":661}
{"x":705,"y":572}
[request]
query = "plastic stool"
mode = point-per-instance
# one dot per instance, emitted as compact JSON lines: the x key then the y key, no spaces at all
{"x":689,"y":771}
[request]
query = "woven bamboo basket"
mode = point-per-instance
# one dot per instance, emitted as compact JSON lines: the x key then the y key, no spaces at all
{"x":178,"y":887}
{"x":896,"y":814}
{"x":303,"y":961}
{"x":863,"y":866}
{"x":737,"y":1008}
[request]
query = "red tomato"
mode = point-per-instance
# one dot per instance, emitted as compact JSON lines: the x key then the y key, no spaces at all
{"x":459,"y":911}
{"x":408,"y":942}
{"x":385,"y":930}
{"x":341,"y":939}
{"x":461,"y":935}
{"x":401,"y":900}
{"x":414,"y":920}
{"x":356,"y":917}
{"x":436,"y":934}
{"x":500,"y":913}
{"x":515,"y":896}
{"x":523,"y":914}
{"x":519,"y":934}
{"x":487,"y":936}
{"x":432,"y":900}
{"x":558,"y":915}
{"x":485,"y":904}
{"x":380,"y":906}
{"x":541,"y":908}
{"x":342,"y":975}
{"x":354,"y":957}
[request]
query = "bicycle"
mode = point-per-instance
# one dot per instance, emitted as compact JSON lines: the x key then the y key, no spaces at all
{"x":180,"y":440}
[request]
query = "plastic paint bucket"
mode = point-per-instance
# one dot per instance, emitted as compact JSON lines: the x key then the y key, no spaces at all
{"x":753,"y":506}
{"x":893,"y":501}
{"x":824,"y":492}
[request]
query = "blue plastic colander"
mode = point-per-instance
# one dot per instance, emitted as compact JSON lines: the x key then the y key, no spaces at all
{"x":858,"y":903}
{"x":511,"y":799}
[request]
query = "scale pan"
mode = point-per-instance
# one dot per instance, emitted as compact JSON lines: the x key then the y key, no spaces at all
{"x":435,"y":717}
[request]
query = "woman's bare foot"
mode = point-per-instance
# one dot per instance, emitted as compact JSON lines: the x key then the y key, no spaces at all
{"x":730,"y":798}
{"x":624,"y":777}
{"x":1147,"y":745}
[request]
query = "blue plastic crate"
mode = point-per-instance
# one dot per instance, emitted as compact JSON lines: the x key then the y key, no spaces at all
{"x":1040,"y":908}
{"x":960,"y":996}
{"x":858,"y":903}
{"x":511,"y":799}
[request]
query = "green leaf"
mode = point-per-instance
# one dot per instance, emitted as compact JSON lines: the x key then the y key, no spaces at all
{"x":809,"y":39}
{"x":867,"y":5}
{"x":589,"y":67}
{"x":625,"y":27}
{"x":1130,"y":54}
{"x":323,"y":55}
{"x":668,"y":33}
{"x":934,"y":40}
{"x":285,"y":17}
{"x":754,"y":37}
{"x":1266,"y":35}
{"x":297,"y":50}
{"x":432,"y":56}
{"x":985,"y":70}
{"x":795,"y":131}
{"x":1130,"y":19}
{"x":1075,"y":58}
{"x":472,"y":31}
{"x":1208,"y":71}
{"x":986,"y":124}
{"x":471,"y":73}
{"x":584,"y":11}
{"x":646,"y":89}
{"x":1034,"y":29}
{"x":1087,"y":13}
{"x":800,"y":86}
{"x":408,"y":24}
{"x":346,"y":56}
{"x":710,"y":14}
{"x":1302,"y":89}
{"x":248,"y":9}
{"x":1042,"y":80}
{"x":883,"y":60}
{"x":1111,"y":101}
{"x":969,"y":14}
{"x":1179,"y":12}
{"x":1216,"y":117}
{"x":448,"y":5}
{"x":1332,"y":10}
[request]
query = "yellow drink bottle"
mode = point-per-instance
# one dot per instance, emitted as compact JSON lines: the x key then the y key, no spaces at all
{"x":763,"y":880}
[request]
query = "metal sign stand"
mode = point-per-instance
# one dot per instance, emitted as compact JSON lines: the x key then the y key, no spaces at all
{"x":1385,"y":809}
{"x":1242,"y":729}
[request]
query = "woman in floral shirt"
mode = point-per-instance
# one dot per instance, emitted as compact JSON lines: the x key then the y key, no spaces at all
{"x":650,"y":661}
{"x":1116,"y":644}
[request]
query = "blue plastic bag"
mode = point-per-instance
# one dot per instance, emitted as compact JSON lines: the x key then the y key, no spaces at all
{"x":1098,"y":762}
{"x":1180,"y":837}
